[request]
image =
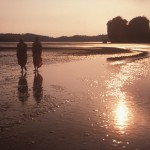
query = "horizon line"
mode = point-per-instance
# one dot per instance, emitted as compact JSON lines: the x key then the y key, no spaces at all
{"x":54,"y":36}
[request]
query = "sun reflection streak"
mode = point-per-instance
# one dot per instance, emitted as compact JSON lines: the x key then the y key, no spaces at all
{"x":122,"y":113}
{"x":121,"y":116}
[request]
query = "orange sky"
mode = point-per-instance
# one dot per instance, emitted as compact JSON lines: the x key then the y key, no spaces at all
{"x":66,"y":17}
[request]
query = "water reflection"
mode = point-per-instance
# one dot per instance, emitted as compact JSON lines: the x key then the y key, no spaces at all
{"x":23,"y":88}
{"x":37,"y":87}
{"x":121,"y":116}
{"x":122,"y":111}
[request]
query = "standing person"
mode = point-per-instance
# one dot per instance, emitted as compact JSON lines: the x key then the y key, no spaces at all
{"x":36,"y":53}
{"x":22,"y":54}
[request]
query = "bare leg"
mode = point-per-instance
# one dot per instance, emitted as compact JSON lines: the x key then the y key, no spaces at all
{"x":25,"y":68}
{"x":22,"y":70}
{"x":35,"y":68}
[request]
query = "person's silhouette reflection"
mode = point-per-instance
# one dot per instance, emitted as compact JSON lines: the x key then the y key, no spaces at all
{"x":37,"y":87}
{"x":23,"y":88}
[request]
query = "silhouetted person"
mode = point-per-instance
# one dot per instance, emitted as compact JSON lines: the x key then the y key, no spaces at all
{"x":36,"y":53}
{"x":37,"y":87}
{"x":23,"y":88}
{"x":22,"y":54}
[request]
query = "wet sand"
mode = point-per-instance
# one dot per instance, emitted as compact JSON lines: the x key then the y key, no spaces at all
{"x":82,"y":101}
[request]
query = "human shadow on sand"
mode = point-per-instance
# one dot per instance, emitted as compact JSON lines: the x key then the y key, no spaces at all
{"x":23,"y":88}
{"x":37,"y":87}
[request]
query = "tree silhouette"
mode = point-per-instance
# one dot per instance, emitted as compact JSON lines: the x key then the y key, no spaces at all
{"x":117,"y":29}
{"x":138,"y":29}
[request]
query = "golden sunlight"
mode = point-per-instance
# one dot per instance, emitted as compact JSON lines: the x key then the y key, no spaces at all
{"x":121,"y":116}
{"x":122,"y":109}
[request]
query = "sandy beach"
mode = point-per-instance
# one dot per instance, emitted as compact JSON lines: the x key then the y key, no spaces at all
{"x":89,"y":99}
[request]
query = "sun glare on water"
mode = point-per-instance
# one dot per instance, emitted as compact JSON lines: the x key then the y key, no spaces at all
{"x":121,"y":116}
{"x":122,"y":112}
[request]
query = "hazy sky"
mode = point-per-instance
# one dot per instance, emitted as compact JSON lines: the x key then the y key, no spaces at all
{"x":66,"y":17}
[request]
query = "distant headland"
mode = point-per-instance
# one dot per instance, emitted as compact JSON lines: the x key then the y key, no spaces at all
{"x":29,"y":37}
{"x":119,"y":30}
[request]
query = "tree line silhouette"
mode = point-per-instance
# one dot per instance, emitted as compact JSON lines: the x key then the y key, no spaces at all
{"x":135,"y":31}
{"x":29,"y":37}
{"x":119,"y":30}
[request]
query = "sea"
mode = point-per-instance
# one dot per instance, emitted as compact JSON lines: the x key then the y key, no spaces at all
{"x":75,"y":101}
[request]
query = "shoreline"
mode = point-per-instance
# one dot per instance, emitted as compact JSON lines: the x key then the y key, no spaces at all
{"x":78,"y":101}
{"x":85,"y":51}
{"x":90,"y":50}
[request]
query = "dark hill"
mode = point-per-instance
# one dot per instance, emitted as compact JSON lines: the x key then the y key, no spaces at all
{"x":28,"y":37}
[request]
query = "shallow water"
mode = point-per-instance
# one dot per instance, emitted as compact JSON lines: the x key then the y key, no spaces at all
{"x":96,"y":104}
{"x":81,"y":45}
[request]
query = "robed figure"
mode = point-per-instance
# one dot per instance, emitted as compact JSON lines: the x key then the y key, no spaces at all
{"x":36,"y":53}
{"x":22,"y":54}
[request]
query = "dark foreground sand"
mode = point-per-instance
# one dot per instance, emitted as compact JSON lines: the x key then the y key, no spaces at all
{"x":85,"y":101}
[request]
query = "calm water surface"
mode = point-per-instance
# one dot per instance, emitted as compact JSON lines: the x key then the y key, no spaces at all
{"x":104,"y":105}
